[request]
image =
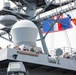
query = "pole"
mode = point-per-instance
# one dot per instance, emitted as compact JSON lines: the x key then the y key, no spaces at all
{"x":42,"y":40}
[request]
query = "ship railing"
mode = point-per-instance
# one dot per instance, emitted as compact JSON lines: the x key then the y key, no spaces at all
{"x":67,"y":52}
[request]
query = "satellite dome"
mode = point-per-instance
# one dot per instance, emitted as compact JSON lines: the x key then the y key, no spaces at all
{"x":8,"y":20}
{"x":24,"y":32}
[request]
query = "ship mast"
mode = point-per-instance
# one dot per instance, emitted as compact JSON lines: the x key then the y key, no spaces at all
{"x":22,"y":29}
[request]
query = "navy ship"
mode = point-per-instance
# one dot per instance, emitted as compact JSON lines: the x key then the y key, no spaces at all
{"x":23,"y":23}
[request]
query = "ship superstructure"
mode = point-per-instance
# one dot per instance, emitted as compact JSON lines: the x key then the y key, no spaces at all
{"x":25,"y":58}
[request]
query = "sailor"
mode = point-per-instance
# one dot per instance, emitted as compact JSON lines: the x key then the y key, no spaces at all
{"x":8,"y":46}
{"x":32,"y":49}
{"x":66,"y":55}
{"x":25,"y":49}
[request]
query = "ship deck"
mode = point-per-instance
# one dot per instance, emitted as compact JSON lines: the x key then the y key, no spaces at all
{"x":34,"y":60}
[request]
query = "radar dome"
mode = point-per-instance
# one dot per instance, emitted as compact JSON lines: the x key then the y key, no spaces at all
{"x":8,"y":20}
{"x":24,"y":32}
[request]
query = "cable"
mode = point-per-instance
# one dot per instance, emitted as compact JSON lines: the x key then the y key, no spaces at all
{"x":21,"y":6}
{"x":57,"y":13}
{"x":14,"y":13}
{"x":67,"y":39}
{"x":28,"y":4}
{"x":42,"y":10}
{"x":52,"y":26}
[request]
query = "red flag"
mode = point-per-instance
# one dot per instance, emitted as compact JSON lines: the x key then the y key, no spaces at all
{"x":74,"y":20}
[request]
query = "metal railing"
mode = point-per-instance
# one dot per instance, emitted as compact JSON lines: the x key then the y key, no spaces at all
{"x":71,"y":52}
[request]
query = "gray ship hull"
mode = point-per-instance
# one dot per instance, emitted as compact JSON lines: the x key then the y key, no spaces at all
{"x":34,"y":69}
